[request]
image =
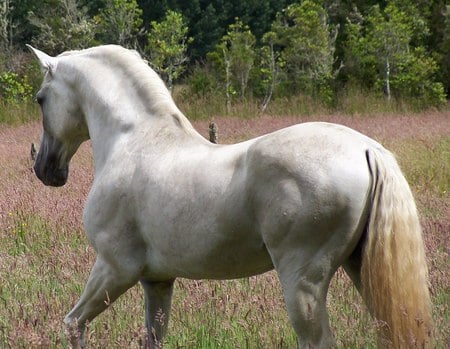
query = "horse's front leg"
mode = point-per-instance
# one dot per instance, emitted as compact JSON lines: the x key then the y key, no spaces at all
{"x":158,"y":299}
{"x":105,"y":284}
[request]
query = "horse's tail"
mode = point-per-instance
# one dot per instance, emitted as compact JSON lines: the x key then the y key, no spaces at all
{"x":394,"y":271}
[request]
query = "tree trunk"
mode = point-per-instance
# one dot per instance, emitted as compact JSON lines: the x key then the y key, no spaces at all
{"x":243,"y":86}
{"x":273,"y":76}
{"x":227,"y":80}
{"x":267,"y":97}
{"x":388,"y":85}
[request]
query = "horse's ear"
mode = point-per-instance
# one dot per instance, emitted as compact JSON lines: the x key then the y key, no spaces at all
{"x":48,"y":63}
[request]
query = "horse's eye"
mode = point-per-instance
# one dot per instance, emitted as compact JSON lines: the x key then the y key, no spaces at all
{"x":40,"y":99}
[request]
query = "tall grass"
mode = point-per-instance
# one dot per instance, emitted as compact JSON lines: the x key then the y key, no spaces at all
{"x":350,"y":101}
{"x":205,"y":107}
{"x":45,"y":257}
{"x":18,"y":113}
{"x":429,"y":168}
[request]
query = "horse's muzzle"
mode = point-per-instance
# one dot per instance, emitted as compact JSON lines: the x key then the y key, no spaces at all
{"x":48,"y":166}
{"x":50,"y":175}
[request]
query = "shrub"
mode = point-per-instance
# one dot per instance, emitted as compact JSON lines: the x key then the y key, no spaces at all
{"x":202,"y":81}
{"x":415,"y":79}
{"x":14,"y":88}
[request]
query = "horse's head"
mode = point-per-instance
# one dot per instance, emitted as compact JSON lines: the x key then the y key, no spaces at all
{"x":63,"y":122}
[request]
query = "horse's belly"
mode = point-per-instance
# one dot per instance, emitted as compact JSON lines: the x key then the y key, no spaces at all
{"x":230,"y":265}
{"x":211,"y":257}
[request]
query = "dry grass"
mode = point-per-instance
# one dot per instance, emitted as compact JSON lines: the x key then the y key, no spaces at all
{"x":45,"y":258}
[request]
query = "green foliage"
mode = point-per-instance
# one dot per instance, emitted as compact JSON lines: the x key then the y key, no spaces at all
{"x":120,"y":22}
{"x":208,"y":20}
{"x":62,"y":26}
{"x":379,"y":54}
{"x":167,"y":45}
{"x":200,"y":80}
{"x":270,"y":65}
{"x":316,"y":48}
{"x":240,"y":46}
{"x":414,"y":80}
{"x":359,"y":66}
{"x":234,"y":56}
{"x":443,"y":50}
{"x":307,"y":43}
{"x":14,"y":89}
{"x":413,"y":16}
{"x":205,"y":26}
{"x":5,"y":24}
{"x":389,"y":32}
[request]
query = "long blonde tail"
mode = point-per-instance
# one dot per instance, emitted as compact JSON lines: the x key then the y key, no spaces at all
{"x":394,"y":272}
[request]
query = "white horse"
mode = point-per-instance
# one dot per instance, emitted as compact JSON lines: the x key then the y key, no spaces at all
{"x":166,"y":203}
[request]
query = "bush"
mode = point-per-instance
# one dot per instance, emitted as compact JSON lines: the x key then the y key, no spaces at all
{"x":202,"y":81}
{"x":14,"y":89}
{"x":415,"y":80}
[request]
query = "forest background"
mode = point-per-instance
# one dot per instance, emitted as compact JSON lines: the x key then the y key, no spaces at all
{"x":316,"y":52}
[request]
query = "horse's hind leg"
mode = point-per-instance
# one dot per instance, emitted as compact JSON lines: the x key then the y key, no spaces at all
{"x":305,"y":291}
{"x":352,"y":266}
{"x":106,"y":283}
{"x":158,"y":298}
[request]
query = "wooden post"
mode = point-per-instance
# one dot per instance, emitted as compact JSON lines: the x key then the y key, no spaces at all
{"x":33,"y":152}
{"x":213,"y":132}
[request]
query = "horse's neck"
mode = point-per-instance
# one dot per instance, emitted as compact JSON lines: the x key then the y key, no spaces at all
{"x":113,"y":125}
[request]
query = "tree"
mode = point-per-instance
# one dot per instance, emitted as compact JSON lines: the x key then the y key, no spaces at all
{"x":235,"y":56}
{"x":307,"y":44}
{"x":23,"y":30}
{"x":240,"y":44}
{"x":62,"y":25}
{"x":167,"y":46}
{"x":5,"y":25}
{"x":270,"y":67}
{"x":208,"y":20}
{"x":444,"y":51}
{"x":415,"y":79}
{"x":383,"y":54}
{"x":358,"y":65}
{"x":206,"y":30}
{"x":120,"y":22}
{"x":389,"y":38}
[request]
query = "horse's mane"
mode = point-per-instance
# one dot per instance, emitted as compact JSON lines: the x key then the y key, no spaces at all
{"x":147,"y":82}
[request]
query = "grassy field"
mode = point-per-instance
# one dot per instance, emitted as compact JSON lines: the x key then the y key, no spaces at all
{"x":45,"y":258}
